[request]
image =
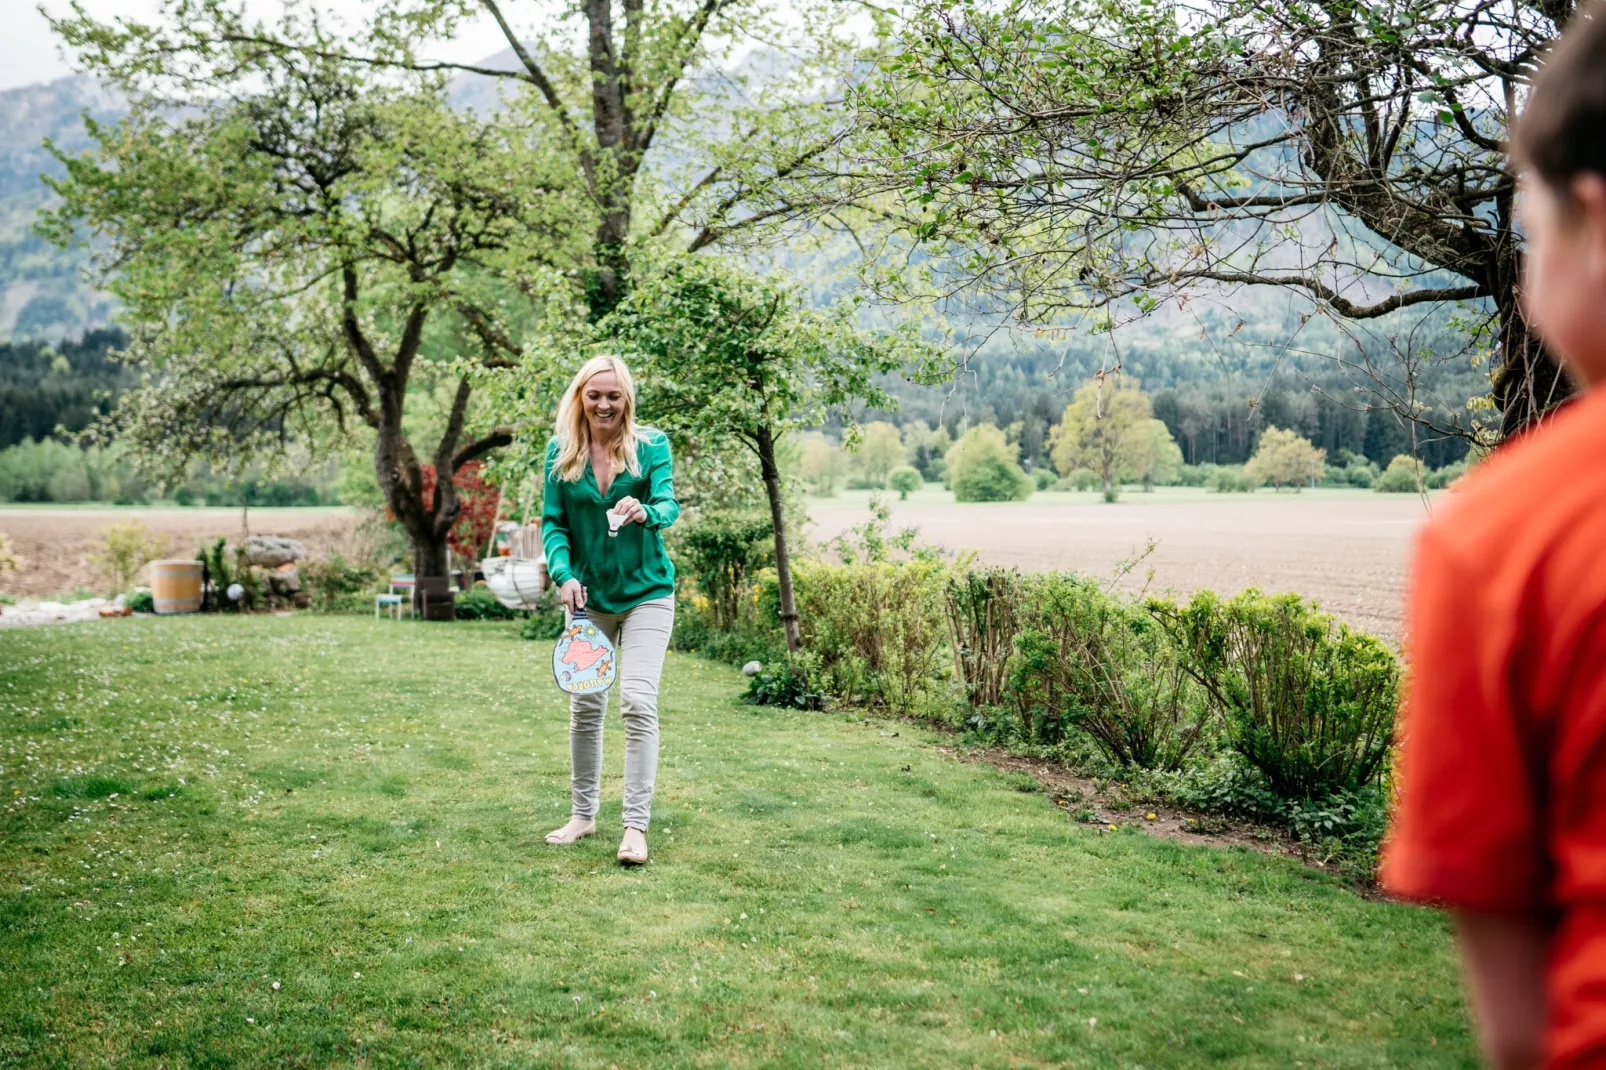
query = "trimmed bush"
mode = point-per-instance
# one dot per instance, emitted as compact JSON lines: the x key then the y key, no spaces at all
{"x":722,"y":551}
{"x":984,"y":608}
{"x":747,"y":641}
{"x":1307,"y":702}
{"x":1088,"y":659}
{"x":878,"y":628}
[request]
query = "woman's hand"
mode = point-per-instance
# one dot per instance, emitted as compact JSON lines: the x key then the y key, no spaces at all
{"x":632,"y":510}
{"x":572,"y":595}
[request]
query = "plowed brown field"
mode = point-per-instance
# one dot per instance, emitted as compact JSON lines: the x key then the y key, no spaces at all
{"x":1347,"y":549}
{"x":55,"y":545}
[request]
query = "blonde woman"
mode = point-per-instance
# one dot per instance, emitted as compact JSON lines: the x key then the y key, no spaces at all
{"x":600,"y":461}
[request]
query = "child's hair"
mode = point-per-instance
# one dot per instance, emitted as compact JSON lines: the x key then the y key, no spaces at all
{"x":1562,"y":132}
{"x":574,"y":433}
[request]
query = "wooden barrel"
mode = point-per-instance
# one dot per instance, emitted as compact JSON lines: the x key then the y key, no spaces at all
{"x":176,"y":586}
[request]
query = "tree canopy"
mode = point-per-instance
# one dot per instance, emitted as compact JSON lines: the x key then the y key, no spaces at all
{"x":725,"y":355}
{"x":1106,"y":428}
{"x":299,"y":246}
{"x":1285,"y":459}
{"x":1067,"y":155}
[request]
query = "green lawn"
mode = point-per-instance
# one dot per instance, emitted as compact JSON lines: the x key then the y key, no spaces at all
{"x":306,"y":840}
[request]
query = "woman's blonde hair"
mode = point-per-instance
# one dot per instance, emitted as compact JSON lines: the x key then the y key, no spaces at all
{"x":573,"y":433}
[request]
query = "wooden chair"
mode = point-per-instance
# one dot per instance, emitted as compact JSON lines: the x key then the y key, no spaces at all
{"x":399,"y":582}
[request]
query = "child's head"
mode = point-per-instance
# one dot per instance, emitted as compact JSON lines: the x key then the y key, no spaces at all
{"x":1560,"y":144}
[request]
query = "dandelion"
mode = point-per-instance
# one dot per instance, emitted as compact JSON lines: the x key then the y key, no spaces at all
{"x":276,"y":986}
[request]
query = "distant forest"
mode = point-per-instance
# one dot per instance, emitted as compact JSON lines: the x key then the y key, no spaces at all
{"x":69,"y":384}
{"x":1215,"y":399}
{"x":1218,"y":381}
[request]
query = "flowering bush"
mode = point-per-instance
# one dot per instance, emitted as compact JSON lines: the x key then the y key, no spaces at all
{"x":481,"y":501}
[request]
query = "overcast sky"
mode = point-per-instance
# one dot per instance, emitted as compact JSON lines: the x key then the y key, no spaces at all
{"x":30,"y":53}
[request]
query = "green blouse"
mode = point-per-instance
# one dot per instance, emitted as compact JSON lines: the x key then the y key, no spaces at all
{"x":621,"y":572}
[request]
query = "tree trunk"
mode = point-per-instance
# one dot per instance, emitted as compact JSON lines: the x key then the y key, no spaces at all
{"x":397,"y":472}
{"x":765,"y":442}
{"x":1528,"y":385}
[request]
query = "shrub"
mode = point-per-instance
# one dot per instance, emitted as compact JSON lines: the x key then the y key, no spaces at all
{"x":1307,"y":702}
{"x":746,"y":641}
{"x":982,"y":468}
{"x":983,"y":607}
{"x":220,"y":574}
{"x":1084,"y":479}
{"x":1044,"y":478}
{"x":1193,"y":475}
{"x":792,"y":681}
{"x":336,"y":584}
{"x":1444,"y":477}
{"x":877,"y":627}
{"x":905,"y":479}
{"x":1227,"y":479}
{"x":722,"y":551}
{"x":1404,"y":475}
{"x":542,"y":624}
{"x":1359,"y":472}
{"x":141,"y":602}
{"x":478,"y":603}
{"x":9,"y":562}
{"x":1086,"y":658}
{"x":125,"y":548}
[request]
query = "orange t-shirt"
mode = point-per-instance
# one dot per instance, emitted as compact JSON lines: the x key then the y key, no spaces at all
{"x":1503,"y":777}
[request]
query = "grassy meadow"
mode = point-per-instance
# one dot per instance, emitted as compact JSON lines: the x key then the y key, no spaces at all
{"x":305,"y":841}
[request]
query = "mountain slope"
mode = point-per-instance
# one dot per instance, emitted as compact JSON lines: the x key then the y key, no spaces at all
{"x":42,"y":293}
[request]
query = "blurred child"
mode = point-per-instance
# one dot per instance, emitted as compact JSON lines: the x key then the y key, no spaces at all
{"x":1502,"y":814}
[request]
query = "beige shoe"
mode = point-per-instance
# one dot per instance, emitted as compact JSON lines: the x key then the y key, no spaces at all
{"x":575,"y":831}
{"x":633,"y":848}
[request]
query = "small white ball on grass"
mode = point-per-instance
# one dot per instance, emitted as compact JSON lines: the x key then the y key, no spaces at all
{"x":752,"y":668}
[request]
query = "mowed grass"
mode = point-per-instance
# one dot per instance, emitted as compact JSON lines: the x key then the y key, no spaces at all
{"x":314,"y":841}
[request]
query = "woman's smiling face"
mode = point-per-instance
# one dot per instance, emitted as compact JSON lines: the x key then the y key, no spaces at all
{"x":603,"y":400}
